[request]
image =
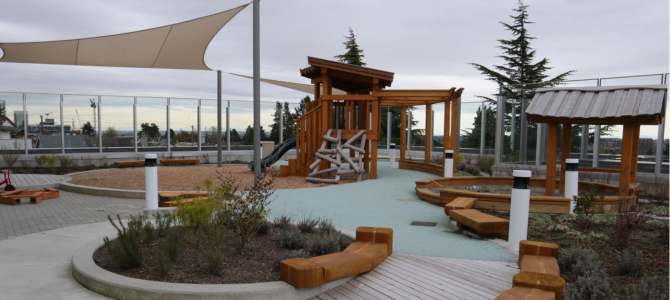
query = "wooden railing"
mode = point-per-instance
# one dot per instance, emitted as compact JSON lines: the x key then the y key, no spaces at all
{"x":307,"y":139}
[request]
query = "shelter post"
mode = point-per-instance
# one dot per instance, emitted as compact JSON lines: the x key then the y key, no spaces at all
{"x":447,"y":121}
{"x":565,"y":153}
{"x":550,"y":182}
{"x":428,"y":133}
{"x":257,"y":89}
{"x":626,"y":154}
{"x":218,"y":118}
{"x":403,"y":133}
{"x":454,"y":124}
{"x":633,"y":156}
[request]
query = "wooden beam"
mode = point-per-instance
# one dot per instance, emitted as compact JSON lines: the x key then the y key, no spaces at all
{"x":403,"y":134}
{"x":453,"y":143}
{"x":565,"y":153}
{"x":414,"y":93}
{"x":317,"y":91}
{"x":600,"y":170}
{"x":633,"y":156}
{"x":550,"y":181}
{"x":349,"y":97}
{"x":626,"y":153}
{"x":428,"y":132}
{"x":447,"y":133}
{"x":640,"y":120}
{"x":374,"y":128}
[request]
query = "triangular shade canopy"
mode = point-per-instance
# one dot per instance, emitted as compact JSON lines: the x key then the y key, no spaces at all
{"x":301,"y":87}
{"x":177,"y":46}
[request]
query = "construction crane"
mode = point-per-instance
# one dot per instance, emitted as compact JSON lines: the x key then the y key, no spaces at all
{"x":78,"y":119}
{"x":94,"y":106}
{"x":47,"y":114}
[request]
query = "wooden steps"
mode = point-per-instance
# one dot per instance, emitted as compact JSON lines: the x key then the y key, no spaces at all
{"x":480,"y":222}
{"x":540,"y":276}
{"x":373,"y":245}
{"x":460,"y":203}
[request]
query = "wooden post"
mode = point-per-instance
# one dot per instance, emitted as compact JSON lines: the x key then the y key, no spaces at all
{"x":326,"y":115}
{"x":626,"y":154}
{"x":454,"y":125}
{"x":375,"y":129}
{"x":565,"y":153}
{"x":366,"y":126}
{"x":550,"y":182}
{"x":446,"y":139}
{"x":633,"y":156}
{"x":403,"y":134}
{"x":428,"y":133}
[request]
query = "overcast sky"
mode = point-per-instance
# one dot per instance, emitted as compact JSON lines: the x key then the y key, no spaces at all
{"x":427,"y":44}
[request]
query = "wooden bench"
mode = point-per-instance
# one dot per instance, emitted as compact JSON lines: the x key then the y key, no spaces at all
{"x":480,"y":222}
{"x":130,"y":163}
{"x":460,"y":203}
{"x":187,"y":161}
{"x":372,"y":246}
{"x":36,"y":196}
{"x":169,"y":199}
{"x":540,"y":276}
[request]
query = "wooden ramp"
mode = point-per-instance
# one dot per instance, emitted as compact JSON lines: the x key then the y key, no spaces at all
{"x":403,"y":276}
{"x":35,"y":180}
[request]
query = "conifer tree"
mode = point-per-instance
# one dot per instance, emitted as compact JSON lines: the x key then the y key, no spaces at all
{"x":354,"y":55}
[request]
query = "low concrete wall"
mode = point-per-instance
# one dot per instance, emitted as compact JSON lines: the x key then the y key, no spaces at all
{"x":101,"y":281}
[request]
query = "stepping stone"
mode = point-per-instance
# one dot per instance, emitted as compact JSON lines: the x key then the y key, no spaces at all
{"x":460,"y":203}
{"x":480,"y":222}
{"x":537,"y":248}
{"x":547,"y":282}
{"x":540,"y":264}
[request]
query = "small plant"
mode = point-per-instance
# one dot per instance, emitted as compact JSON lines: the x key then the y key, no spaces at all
{"x":472,"y":170}
{"x":485,"y":163}
{"x":265,"y":227}
{"x":148,"y":233}
{"x":88,"y":162}
{"x":631,"y":263}
{"x":541,"y":220}
{"x":212,"y":253}
{"x":569,"y":258}
{"x":649,"y":288}
{"x":458,"y":158}
{"x":593,"y":287}
{"x":627,"y":219}
{"x":64,"y":162}
{"x":163,"y":223}
{"x":307,"y":224}
{"x":10,"y":154}
{"x":40,"y":161}
{"x":172,"y":247}
{"x":587,"y":266}
{"x":163,"y":265}
{"x":103,"y":161}
{"x":584,"y":207}
{"x":290,"y":238}
{"x":323,"y":244}
{"x":282,"y":221}
{"x":130,"y":254}
{"x":326,"y":227}
{"x":195,"y":215}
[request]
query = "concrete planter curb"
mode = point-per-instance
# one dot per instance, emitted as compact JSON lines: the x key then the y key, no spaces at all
{"x":101,"y":281}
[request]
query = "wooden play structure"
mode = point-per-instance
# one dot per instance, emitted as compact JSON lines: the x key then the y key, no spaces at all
{"x":630,"y":106}
{"x":35,"y":196}
{"x":348,"y":100}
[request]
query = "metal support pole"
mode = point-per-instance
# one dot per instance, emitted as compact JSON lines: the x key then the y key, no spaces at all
{"x":660,"y":137}
{"x":432,"y":129}
{"x":585,"y":143}
{"x":281,"y":125}
{"x":218,"y":118}
{"x":228,"y":127}
{"x":499,"y":128}
{"x":482,"y":138}
{"x":523,"y":136}
{"x":257,"y":89}
{"x":62,"y":127}
{"x":167,"y":133}
{"x":512,"y":136}
{"x":596,"y":141}
{"x":457,"y":147}
{"x":389,"y":120}
{"x":199,"y":141}
{"x":135,"y":123}
{"x":409,"y":132}
{"x":539,"y":145}
{"x":99,"y":124}
{"x":25,"y":126}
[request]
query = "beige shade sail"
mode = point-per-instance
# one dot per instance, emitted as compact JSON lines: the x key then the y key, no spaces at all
{"x":301,"y":87}
{"x":177,"y":46}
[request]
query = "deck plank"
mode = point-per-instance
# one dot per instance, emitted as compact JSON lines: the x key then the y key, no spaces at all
{"x":475,"y":275}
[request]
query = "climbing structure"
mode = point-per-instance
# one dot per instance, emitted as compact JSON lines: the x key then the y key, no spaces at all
{"x":347,"y":101}
{"x":335,"y":156}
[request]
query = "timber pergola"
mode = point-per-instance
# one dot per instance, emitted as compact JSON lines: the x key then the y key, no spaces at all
{"x":360,"y":109}
{"x":630,"y":106}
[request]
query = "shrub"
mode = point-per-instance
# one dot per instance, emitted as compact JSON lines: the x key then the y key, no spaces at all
{"x":631,"y":263}
{"x":593,"y":287}
{"x":11,"y":154}
{"x":541,"y":220}
{"x":588,"y":266}
{"x":130,"y":254}
{"x":584,"y":206}
{"x":649,"y":288}
{"x":307,"y":224}
{"x":293,"y":254}
{"x":247,"y":211}
{"x":461,"y":167}
{"x":212,"y":252}
{"x":569,"y":258}
{"x":282,"y":221}
{"x":485,"y":163}
{"x":163,"y":265}
{"x":265,"y":227}
{"x":326,"y":227}
{"x":172,"y":247}
{"x":627,"y":219}
{"x":323,"y":244}
{"x":65,"y":162}
{"x":458,"y":158}
{"x":148,"y":233}
{"x":290,"y":238}
{"x":195,"y":215}
{"x":163,"y":223}
{"x":472,"y":170}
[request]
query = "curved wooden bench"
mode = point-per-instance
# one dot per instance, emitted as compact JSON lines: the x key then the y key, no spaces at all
{"x":130,"y":163}
{"x":187,"y":161}
{"x":483,"y":224}
{"x":372,"y":246}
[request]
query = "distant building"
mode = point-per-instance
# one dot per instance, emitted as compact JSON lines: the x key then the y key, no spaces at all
{"x":48,"y":126}
{"x":18,"y":118}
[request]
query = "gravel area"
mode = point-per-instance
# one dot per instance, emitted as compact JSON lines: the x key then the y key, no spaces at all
{"x":183,"y":178}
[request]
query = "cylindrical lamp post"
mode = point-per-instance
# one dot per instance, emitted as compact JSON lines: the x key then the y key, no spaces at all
{"x":392,"y":155}
{"x":151,"y":180}
{"x":571,"y":181}
{"x":519,"y":209}
{"x":448,"y":163}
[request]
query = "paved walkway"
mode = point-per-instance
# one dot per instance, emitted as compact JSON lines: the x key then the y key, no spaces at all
{"x":36,"y":180}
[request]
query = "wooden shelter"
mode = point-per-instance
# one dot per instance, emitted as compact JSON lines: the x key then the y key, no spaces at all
{"x":360,"y":109}
{"x":630,"y":106}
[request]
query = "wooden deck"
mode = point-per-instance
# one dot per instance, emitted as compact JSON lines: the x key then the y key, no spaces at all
{"x":421,"y":277}
{"x":35,"y":180}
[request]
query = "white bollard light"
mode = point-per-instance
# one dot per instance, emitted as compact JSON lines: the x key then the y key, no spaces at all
{"x":392,"y":156}
{"x":448,"y":163}
{"x":519,"y":209}
{"x":571,"y":181}
{"x":151,"y":180}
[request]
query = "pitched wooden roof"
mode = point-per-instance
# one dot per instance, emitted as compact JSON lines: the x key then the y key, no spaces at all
{"x":346,"y":77}
{"x":639,"y":104}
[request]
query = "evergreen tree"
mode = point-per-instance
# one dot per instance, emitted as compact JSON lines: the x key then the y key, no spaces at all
{"x":274,"y":128}
{"x":289,"y":122}
{"x":472,"y":136}
{"x":354,"y":55}
{"x":248,"y":138}
{"x":301,"y":109}
{"x":150,"y":131}
{"x":234,"y":136}
{"x":87,"y":129}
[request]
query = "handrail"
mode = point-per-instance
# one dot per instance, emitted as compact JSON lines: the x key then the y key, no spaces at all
{"x":311,"y":111}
